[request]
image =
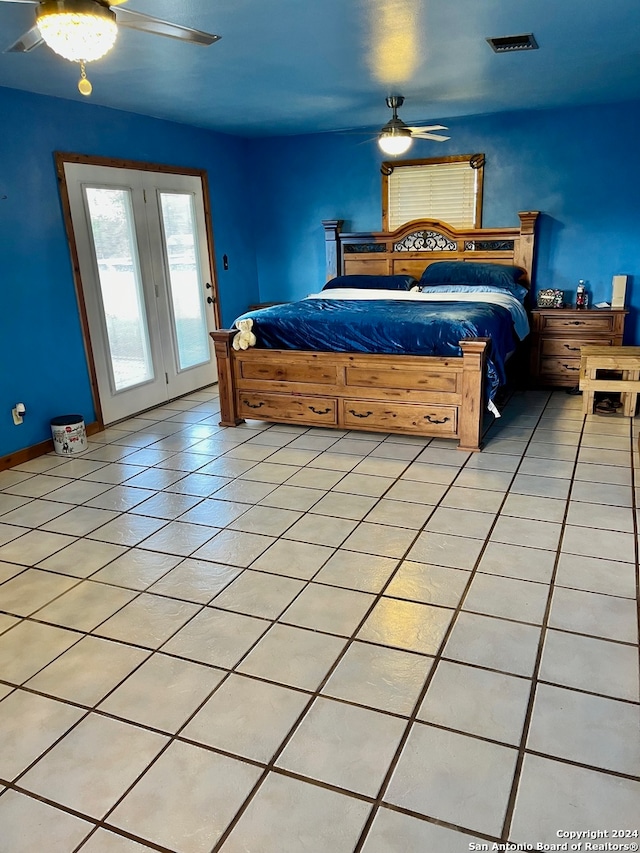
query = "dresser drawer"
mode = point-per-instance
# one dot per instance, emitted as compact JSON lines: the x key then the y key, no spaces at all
{"x":568,"y":347}
{"x":284,"y":407}
{"x":399,"y":416}
{"x":559,"y":366}
{"x":591,"y":324}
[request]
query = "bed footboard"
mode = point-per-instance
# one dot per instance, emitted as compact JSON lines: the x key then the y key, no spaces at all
{"x":419,"y":395}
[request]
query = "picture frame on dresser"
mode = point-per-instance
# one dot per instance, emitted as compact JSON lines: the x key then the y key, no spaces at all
{"x":557,"y":335}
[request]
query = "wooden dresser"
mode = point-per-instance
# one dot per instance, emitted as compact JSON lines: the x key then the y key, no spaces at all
{"x":558,"y":333}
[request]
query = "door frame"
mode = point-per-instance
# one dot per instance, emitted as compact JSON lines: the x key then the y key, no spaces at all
{"x":62,"y":157}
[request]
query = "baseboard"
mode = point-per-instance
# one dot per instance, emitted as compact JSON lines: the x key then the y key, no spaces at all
{"x":36,"y":450}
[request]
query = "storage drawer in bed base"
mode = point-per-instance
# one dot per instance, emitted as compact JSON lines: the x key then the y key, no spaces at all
{"x":350,"y":414}
{"x":419,"y":395}
{"x":318,"y":411}
{"x":399,"y":417}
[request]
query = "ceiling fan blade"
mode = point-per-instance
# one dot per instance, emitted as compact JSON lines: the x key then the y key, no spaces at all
{"x":27,"y":41}
{"x":434,"y":137}
{"x":147,"y":24}
{"x":427,"y":127}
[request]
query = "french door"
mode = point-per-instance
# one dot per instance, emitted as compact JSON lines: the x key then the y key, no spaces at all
{"x":144,"y":260}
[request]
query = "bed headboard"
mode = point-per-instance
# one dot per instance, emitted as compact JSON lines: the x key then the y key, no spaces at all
{"x":412,"y":247}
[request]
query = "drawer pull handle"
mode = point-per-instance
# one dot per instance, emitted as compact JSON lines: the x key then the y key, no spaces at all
{"x":576,"y":322}
{"x":572,"y":349}
{"x":320,"y":411}
{"x":569,"y":367}
{"x":253,"y":405}
{"x":359,"y":414}
{"x":435,"y":420}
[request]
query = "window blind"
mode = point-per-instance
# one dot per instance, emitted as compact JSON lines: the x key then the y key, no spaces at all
{"x":445,"y":191}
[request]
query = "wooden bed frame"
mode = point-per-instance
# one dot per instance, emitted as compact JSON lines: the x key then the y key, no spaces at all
{"x":415,"y":395}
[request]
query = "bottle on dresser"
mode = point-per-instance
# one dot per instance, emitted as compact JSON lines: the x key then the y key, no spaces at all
{"x":582,"y":297}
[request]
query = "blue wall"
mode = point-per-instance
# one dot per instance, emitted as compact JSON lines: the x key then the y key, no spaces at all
{"x":579,"y":166}
{"x":42,"y":360}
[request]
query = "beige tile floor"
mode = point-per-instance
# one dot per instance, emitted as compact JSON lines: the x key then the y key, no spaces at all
{"x":285,"y":640}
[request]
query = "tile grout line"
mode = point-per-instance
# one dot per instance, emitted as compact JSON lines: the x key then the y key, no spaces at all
{"x":175,"y":736}
{"x":522,"y":750}
{"x":317,"y":693}
{"x":379,"y":801}
{"x":308,"y":582}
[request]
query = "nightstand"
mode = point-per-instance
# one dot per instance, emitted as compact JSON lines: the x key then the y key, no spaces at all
{"x":558,"y":333}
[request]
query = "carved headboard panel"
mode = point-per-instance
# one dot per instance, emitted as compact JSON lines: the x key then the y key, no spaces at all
{"x":412,"y":247}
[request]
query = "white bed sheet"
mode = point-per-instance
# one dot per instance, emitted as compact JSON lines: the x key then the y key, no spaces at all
{"x":506,"y":300}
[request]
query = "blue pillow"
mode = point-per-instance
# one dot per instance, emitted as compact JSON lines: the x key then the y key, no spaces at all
{"x":515,"y":290}
{"x":471,"y":273}
{"x":372,"y":282}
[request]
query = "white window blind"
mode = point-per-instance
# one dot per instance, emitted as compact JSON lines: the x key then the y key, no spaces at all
{"x":445,"y":191}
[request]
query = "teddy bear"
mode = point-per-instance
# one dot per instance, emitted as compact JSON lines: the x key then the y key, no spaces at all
{"x":245,"y":337}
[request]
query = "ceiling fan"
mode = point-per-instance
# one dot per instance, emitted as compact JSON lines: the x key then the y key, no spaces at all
{"x":85,"y":30}
{"x":396,"y":137}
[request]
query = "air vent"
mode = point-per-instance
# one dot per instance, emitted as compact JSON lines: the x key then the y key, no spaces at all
{"x":507,"y":44}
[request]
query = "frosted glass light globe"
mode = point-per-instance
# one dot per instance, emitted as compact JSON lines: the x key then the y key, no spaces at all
{"x":79,"y":35}
{"x":394,"y":143}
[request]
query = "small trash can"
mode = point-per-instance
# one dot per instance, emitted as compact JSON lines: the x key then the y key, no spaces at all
{"x":69,"y":435}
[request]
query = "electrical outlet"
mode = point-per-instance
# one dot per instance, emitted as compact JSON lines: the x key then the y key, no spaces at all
{"x":17,"y":418}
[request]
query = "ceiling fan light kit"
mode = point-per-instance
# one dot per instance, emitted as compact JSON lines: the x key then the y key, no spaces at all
{"x":77,"y":30}
{"x":394,"y":140}
{"x":396,"y":137}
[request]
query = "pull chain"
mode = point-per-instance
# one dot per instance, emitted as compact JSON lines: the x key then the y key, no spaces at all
{"x":84,"y":86}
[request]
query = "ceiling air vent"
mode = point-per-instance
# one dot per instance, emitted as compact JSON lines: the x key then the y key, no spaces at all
{"x":507,"y":44}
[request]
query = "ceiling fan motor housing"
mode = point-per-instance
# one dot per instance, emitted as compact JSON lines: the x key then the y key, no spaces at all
{"x":395,"y":126}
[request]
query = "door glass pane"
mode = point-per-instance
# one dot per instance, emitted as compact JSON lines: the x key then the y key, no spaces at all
{"x":112,"y":226}
{"x":185,"y":284}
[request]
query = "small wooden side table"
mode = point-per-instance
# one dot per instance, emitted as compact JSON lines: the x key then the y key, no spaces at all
{"x":625,"y":360}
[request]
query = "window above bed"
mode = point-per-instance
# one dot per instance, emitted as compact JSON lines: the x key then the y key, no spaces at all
{"x":444,"y":188}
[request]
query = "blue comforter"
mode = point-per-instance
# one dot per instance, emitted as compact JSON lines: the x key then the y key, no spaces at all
{"x":388,"y":326}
